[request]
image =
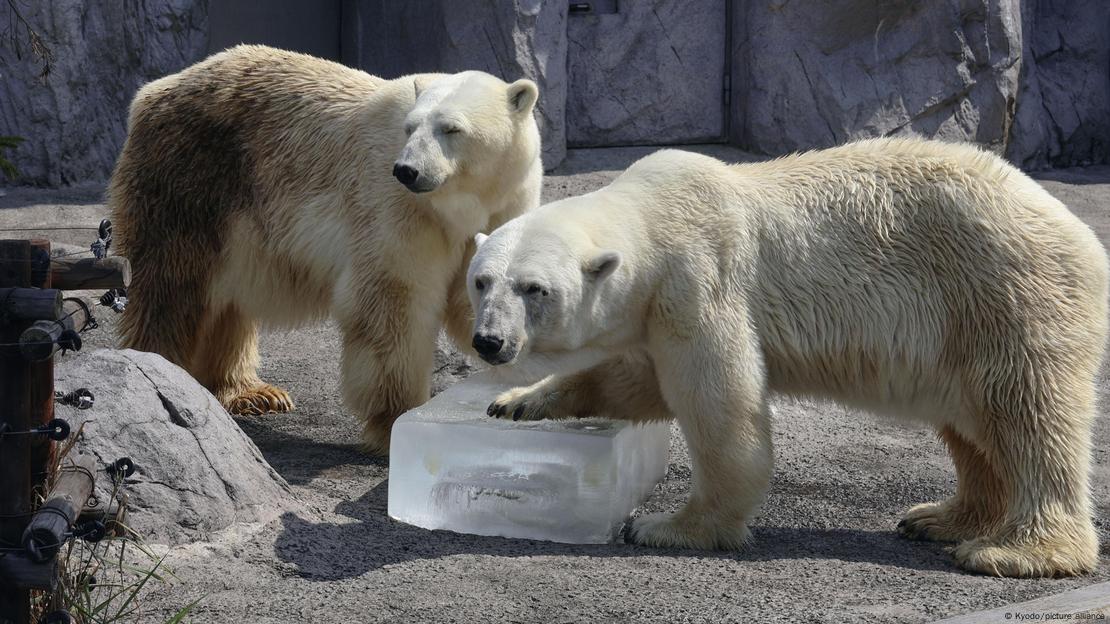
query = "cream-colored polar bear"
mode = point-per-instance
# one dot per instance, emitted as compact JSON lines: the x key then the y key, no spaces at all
{"x":264,"y":186}
{"x":921,"y":279}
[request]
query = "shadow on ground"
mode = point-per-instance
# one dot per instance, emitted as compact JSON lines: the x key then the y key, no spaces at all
{"x":334,"y":551}
{"x":300,"y":459}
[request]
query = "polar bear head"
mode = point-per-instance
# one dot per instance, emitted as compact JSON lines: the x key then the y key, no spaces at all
{"x":540,"y":284}
{"x":465,"y":130}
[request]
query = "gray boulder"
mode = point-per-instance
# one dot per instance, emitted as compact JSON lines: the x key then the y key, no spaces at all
{"x":196,"y":471}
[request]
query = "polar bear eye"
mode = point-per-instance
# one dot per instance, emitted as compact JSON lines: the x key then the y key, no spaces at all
{"x":409,"y":129}
{"x":536,"y":289}
{"x":480,"y":284}
{"x":450,"y":129}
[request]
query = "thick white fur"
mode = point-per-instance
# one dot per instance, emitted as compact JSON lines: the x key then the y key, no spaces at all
{"x":314,"y":222}
{"x":924,"y":280}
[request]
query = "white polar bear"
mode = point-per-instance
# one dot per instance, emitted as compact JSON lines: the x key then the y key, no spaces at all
{"x":922,"y":279}
{"x":265,"y":186}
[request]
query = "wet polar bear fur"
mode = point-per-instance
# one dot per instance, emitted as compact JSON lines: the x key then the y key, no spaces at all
{"x":926,"y":280}
{"x":256,"y":187}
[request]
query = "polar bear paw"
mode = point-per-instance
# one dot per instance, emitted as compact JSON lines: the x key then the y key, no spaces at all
{"x":525,"y":403}
{"x":940,"y":522}
{"x":262,"y":398}
{"x":683,"y":531}
{"x":1025,"y":560}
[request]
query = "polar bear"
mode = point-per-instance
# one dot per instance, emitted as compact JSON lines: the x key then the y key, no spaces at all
{"x":265,"y":186}
{"x":921,"y":279}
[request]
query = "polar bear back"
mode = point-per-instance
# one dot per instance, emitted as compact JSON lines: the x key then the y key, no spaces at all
{"x":883,"y":271}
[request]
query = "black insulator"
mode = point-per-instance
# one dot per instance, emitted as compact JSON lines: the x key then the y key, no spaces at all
{"x":56,"y":429}
{"x":61,"y":616}
{"x":80,"y":398}
{"x":121,"y":468}
{"x":69,"y":341}
{"x":92,"y":531}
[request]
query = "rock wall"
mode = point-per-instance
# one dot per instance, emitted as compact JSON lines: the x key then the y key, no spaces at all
{"x":105,"y":50}
{"x":1063,"y":109}
{"x":1027,"y":78}
{"x":610,"y":100}
{"x":816,"y":74}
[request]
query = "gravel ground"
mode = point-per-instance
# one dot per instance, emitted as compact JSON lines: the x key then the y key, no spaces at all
{"x":824,"y":548}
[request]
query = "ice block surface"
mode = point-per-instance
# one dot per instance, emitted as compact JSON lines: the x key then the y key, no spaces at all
{"x":452,"y":467}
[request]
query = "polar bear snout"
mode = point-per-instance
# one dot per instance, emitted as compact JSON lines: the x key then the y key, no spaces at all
{"x":411,"y":178}
{"x":489,"y":347}
{"x":405,"y":174}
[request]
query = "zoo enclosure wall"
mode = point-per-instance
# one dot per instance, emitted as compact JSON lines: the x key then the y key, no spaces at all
{"x":1029,"y":79}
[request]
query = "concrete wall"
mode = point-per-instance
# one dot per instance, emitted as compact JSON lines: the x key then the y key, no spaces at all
{"x":1027,"y":78}
{"x":309,"y":26}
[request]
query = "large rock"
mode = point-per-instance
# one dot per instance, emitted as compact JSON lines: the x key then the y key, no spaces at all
{"x":196,"y":471}
{"x":511,"y":40}
{"x":76,"y":122}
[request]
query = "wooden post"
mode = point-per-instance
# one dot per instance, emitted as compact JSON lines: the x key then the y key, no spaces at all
{"x":26,"y":402}
{"x":19,"y":571}
{"x":47,"y":530}
{"x":16,"y":414}
{"x":42,"y":390}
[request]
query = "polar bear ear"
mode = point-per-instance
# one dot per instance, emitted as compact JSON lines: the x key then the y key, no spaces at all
{"x":479,"y":238}
{"x":523,"y":95}
{"x":418,"y":86}
{"x":602,"y":265}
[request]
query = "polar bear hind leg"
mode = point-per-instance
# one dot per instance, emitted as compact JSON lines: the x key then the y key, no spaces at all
{"x":226,"y":362}
{"x":1036,"y":436}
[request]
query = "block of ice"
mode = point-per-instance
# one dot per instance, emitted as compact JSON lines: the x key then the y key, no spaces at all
{"x":452,"y":467}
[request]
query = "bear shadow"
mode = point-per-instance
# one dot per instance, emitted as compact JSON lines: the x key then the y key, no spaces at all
{"x":328,"y":551}
{"x":300,"y":459}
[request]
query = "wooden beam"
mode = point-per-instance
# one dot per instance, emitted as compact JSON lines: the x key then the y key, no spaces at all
{"x":72,"y":273}
{"x":47,"y":530}
{"x":30,"y":304}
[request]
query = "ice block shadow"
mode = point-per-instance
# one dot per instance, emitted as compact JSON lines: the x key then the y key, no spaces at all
{"x":329,"y":551}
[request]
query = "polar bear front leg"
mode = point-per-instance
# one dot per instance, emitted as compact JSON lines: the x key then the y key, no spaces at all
{"x":388,"y":354}
{"x":713,"y":383}
{"x":623,"y":388}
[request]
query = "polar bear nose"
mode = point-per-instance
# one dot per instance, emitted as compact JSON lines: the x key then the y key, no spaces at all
{"x":487,"y":345}
{"x":405,"y":174}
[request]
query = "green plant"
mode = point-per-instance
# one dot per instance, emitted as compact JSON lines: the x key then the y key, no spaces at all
{"x":102,"y":584}
{"x":6,"y":167}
